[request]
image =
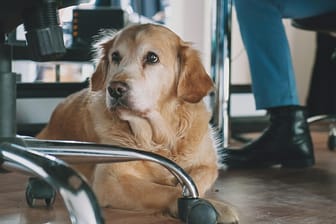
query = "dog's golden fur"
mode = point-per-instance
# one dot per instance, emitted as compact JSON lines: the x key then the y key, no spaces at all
{"x":163,"y":83}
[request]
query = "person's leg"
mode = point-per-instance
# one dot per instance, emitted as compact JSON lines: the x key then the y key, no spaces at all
{"x":287,"y":140}
{"x":265,"y":40}
{"x":264,"y":37}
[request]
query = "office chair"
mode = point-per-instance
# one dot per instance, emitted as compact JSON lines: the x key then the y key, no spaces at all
{"x":325,"y":23}
{"x":45,"y":159}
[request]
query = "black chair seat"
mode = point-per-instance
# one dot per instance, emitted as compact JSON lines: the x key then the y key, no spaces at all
{"x":321,"y":23}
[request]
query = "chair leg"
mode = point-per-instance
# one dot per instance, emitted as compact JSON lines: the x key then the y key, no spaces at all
{"x":332,"y":136}
{"x":80,"y":152}
{"x":331,"y":144}
{"x":57,"y":174}
{"x":333,"y":56}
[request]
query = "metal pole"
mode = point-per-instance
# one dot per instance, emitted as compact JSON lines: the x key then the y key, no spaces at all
{"x":7,"y":94}
{"x":221,"y":66}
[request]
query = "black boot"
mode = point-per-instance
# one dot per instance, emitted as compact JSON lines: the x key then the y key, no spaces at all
{"x":285,"y":142}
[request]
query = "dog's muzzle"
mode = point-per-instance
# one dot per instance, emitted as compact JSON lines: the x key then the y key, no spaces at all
{"x":117,"y":93}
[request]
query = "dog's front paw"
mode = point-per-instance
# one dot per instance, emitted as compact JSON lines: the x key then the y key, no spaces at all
{"x":226,"y":213}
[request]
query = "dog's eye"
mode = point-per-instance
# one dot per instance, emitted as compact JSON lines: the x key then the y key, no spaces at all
{"x":151,"y":58}
{"x":115,"y":57}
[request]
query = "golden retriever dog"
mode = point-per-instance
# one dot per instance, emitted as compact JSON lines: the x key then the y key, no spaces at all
{"x":146,"y":93}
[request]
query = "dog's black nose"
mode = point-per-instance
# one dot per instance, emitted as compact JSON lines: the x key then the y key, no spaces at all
{"x":117,"y":89}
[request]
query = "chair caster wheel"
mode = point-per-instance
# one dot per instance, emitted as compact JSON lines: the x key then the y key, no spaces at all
{"x":39,"y":189}
{"x":196,"y":211}
{"x":332,"y":138}
{"x":332,"y":142}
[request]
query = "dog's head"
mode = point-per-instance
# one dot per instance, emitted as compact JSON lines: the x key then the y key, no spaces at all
{"x":143,"y":66}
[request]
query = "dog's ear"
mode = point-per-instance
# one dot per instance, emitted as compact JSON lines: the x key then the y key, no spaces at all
{"x":194,"y":83}
{"x":98,"y":78}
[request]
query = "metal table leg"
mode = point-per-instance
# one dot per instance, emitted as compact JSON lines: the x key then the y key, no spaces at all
{"x":221,"y":66}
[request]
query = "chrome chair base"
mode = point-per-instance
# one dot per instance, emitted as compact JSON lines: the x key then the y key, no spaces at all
{"x":70,"y":185}
{"x":47,"y":160}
